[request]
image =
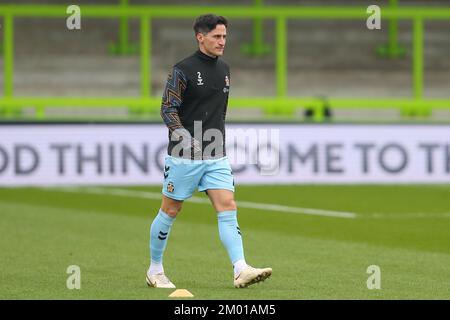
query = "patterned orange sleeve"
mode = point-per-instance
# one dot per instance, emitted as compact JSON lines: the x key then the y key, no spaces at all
{"x":173,"y":98}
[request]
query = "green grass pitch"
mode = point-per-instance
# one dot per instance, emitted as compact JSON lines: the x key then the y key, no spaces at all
{"x":405,"y":230}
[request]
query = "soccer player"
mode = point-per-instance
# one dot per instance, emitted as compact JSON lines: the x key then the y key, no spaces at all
{"x":193,"y":107}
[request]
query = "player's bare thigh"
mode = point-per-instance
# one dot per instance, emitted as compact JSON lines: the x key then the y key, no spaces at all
{"x":222,"y":200}
{"x":170,"y":206}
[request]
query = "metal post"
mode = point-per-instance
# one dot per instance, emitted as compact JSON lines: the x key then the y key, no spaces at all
{"x":123,"y":30}
{"x":123,"y":47}
{"x":8,"y":45}
{"x":393,"y":31}
{"x":257,"y":47}
{"x":418,"y":57}
{"x":145,"y":57}
{"x":392,"y":49}
{"x":281,"y":59}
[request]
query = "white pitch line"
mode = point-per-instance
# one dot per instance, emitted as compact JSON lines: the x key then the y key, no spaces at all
{"x":241,"y":204}
{"x":412,"y":215}
{"x":310,"y":211}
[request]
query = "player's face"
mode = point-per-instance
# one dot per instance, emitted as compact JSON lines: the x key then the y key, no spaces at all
{"x":213,"y":43}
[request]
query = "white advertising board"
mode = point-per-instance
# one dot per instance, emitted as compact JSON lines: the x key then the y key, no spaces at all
{"x":133,"y":154}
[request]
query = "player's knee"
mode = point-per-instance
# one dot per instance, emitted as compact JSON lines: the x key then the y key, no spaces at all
{"x":172,"y":211}
{"x":171,"y":208}
{"x":229,"y":204}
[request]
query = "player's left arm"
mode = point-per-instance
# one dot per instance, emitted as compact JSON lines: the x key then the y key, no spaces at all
{"x":226,"y":101}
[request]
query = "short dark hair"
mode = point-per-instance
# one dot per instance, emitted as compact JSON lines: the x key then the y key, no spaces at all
{"x":208,"y":22}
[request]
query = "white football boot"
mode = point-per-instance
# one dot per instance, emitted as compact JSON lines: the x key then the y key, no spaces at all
{"x":251,"y":275}
{"x":159,"y":281}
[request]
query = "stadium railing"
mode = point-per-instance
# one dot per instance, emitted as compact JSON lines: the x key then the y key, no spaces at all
{"x":417,"y":104}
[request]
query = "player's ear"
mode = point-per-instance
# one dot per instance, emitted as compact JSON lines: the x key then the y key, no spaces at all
{"x":199,"y":37}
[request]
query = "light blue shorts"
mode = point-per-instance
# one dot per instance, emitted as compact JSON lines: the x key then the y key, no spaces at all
{"x":183,"y":176}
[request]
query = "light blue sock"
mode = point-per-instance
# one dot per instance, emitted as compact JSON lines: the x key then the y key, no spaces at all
{"x":230,"y":235}
{"x":159,"y":232}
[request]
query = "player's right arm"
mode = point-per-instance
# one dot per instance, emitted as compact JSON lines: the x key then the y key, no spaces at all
{"x":171,"y":103}
{"x":173,"y":98}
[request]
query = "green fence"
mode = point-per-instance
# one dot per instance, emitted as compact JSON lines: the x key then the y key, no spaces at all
{"x":281,"y":103}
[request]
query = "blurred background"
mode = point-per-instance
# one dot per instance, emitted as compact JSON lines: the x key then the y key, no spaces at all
{"x":362,"y":119}
{"x":325,"y":58}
